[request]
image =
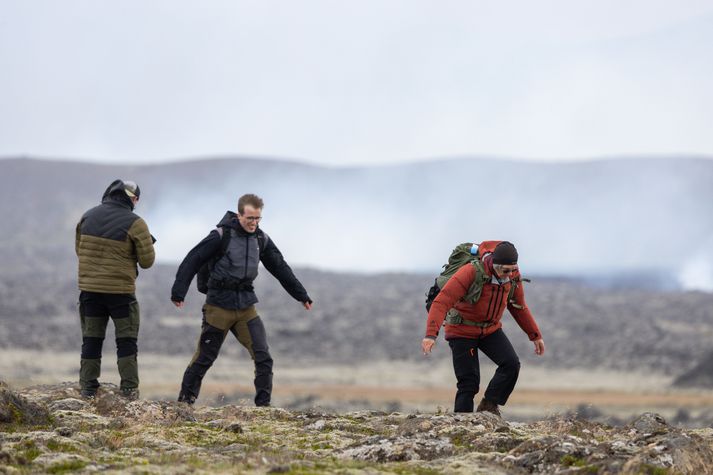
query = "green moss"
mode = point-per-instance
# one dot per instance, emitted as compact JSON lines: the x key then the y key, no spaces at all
{"x":648,"y":469}
{"x":32,"y":454}
{"x":16,"y":416}
{"x":28,"y":451}
{"x":55,"y":446}
{"x":68,"y":466}
{"x":199,"y":435}
{"x":410,"y":469}
{"x":194,"y":461}
{"x":321,"y":446}
{"x":334,"y":465}
{"x":572,"y":461}
{"x":460,"y":440}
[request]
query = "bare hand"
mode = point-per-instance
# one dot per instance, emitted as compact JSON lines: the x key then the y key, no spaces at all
{"x":539,"y":347}
{"x":307,"y":305}
{"x":427,"y":345}
{"x":178,"y":304}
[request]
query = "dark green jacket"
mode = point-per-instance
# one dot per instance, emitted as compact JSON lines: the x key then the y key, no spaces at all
{"x":110,"y":241}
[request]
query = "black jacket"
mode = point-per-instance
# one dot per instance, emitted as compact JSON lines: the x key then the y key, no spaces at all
{"x":210,"y":246}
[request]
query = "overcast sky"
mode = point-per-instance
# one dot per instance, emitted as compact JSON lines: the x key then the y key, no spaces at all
{"x":359,"y":82}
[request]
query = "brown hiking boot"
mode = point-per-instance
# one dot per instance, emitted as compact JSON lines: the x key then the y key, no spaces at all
{"x":488,"y":406}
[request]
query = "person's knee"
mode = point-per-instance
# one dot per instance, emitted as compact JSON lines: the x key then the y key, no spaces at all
{"x":263,"y":358}
{"x":126,"y":347}
{"x":92,"y":347}
{"x":210,"y":344}
{"x":512,"y":366}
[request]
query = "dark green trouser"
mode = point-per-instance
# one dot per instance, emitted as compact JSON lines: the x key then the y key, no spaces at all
{"x":94,"y":312}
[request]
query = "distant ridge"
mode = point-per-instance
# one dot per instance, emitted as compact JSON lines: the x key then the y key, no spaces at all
{"x":700,"y":375}
{"x":585,"y":218}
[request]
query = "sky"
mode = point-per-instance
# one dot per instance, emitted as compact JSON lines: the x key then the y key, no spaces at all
{"x":355,"y":83}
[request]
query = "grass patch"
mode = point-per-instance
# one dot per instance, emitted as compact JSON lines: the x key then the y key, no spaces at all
{"x":321,"y":446}
{"x":410,"y":469}
{"x":338,"y":466}
{"x":65,"y":467}
{"x":199,"y":435}
{"x":115,"y":440}
{"x":572,"y":461}
{"x":648,"y":469}
{"x":28,"y":451}
{"x":55,"y":446}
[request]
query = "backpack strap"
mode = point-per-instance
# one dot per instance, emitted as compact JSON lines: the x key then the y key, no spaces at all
{"x":262,"y":240}
{"x":224,"y":241}
{"x":511,"y":294}
{"x":476,"y":288}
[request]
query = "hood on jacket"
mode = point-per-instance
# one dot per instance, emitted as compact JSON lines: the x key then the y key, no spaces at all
{"x":116,"y":192}
{"x":230,"y":220}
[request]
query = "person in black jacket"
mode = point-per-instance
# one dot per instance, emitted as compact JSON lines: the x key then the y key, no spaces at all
{"x":233,"y":251}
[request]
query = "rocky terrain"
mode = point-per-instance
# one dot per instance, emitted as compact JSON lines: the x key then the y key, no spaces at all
{"x":50,"y":429}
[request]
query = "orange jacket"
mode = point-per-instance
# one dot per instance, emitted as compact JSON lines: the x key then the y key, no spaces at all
{"x":489,"y":307}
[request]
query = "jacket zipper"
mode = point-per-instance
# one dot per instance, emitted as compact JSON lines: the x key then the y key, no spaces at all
{"x":247,"y":253}
{"x":497,"y":303}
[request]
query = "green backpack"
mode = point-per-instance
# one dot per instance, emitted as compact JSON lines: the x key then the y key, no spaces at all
{"x":466,"y":254}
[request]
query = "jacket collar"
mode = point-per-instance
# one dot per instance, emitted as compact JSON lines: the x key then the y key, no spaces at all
{"x":230,"y":220}
{"x":119,"y":200}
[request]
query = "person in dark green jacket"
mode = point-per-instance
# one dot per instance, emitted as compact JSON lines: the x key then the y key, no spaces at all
{"x":110,"y":241}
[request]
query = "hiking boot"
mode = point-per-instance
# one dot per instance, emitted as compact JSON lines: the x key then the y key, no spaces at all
{"x":187,"y":399}
{"x":132,"y":394}
{"x":488,"y":406}
{"x":88,"y":394}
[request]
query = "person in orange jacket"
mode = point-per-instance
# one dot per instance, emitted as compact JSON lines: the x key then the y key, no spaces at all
{"x":477,"y":326}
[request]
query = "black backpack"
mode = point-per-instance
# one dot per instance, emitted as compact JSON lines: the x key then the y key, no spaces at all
{"x":204,"y":272}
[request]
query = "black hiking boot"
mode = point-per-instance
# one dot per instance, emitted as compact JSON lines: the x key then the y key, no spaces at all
{"x":190,"y":400}
{"x":488,"y":406}
{"x":88,"y":394}
{"x":132,"y":394}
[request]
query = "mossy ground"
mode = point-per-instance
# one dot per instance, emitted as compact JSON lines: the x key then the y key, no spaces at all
{"x":165,"y":437}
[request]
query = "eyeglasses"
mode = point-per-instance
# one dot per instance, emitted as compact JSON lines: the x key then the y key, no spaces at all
{"x":252,"y":219}
{"x":503,"y":270}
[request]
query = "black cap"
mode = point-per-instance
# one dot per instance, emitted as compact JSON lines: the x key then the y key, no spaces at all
{"x":505,"y":254}
{"x":128,"y":188}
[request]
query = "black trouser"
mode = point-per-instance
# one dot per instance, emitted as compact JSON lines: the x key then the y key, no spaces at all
{"x":94,"y":311}
{"x":249,"y":330}
{"x":497,"y":347}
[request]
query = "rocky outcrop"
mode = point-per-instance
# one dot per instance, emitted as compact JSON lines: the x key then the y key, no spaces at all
{"x":701,"y":375}
{"x":15,"y":409}
{"x":52,"y":429}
